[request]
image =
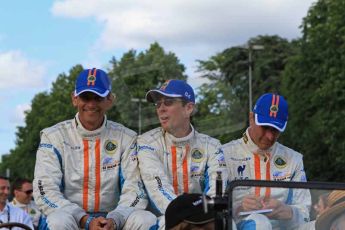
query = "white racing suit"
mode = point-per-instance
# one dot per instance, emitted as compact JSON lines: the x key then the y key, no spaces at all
{"x":280,"y":163}
{"x":170,"y":166}
{"x":79,"y":171}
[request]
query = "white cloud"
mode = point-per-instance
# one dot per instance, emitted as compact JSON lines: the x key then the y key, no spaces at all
{"x":177,"y":22}
{"x":17,"y":71}
{"x":18,"y":115}
{"x":194,"y":29}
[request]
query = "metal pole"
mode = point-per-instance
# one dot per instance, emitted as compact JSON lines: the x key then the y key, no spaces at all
{"x":139,"y":117}
{"x":250,"y":78}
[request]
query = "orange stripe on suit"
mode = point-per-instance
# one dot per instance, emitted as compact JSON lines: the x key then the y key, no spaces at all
{"x":86,"y":175}
{"x":185,"y":171}
{"x":174,"y":169}
{"x":98,"y":175}
{"x":257,"y":172}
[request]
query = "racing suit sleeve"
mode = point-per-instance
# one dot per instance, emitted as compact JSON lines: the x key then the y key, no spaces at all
{"x":299,"y":200}
{"x":133,"y":194}
{"x":215,"y":163}
{"x":48,"y":184}
{"x":158,"y":187}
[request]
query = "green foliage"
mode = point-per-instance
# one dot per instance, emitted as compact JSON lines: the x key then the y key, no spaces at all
{"x":133,"y":75}
{"x":225,"y":99}
{"x":315,"y":88}
{"x":47,"y":109}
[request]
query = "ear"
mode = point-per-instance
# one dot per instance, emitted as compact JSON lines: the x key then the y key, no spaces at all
{"x":189,"y":108}
{"x":74,"y":99}
{"x":111,"y":98}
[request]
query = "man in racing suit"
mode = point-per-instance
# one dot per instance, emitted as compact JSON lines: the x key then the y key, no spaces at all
{"x":258,"y":156}
{"x":175,"y":158}
{"x":86,"y":167}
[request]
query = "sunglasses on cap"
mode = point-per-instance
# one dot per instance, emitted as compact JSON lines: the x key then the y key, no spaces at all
{"x":167,"y":102}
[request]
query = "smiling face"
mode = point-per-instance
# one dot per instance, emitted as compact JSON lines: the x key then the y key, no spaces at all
{"x":92,"y":108}
{"x":174,"y":115}
{"x":4,"y":192}
{"x":263,"y":136}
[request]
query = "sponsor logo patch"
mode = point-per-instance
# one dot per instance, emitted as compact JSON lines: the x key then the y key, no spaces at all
{"x":240,"y":159}
{"x":91,"y":80}
{"x":145,"y":147}
{"x":197,"y":155}
{"x":165,"y":84}
{"x":274,"y":108}
{"x":110,"y":147}
{"x":240,"y":172}
{"x":281,"y":176}
{"x":109,"y":163}
{"x":194,"y":169}
{"x":279,"y":162}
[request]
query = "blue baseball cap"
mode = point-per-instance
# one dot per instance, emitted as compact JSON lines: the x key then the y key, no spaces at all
{"x":173,"y":88}
{"x":272,"y":110}
{"x":93,"y":80}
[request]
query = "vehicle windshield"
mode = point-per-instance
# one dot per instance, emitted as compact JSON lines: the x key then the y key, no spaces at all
{"x":301,"y":206}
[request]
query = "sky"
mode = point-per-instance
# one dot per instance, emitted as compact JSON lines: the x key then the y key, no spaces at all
{"x":41,"y":39}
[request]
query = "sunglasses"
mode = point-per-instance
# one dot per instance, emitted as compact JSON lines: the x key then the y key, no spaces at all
{"x":91,"y":96}
{"x":167,"y":102}
{"x":28,"y":192}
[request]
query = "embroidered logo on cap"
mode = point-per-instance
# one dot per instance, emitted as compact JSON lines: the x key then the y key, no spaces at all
{"x":274,"y":106}
{"x":91,"y":78}
{"x":165,"y":84}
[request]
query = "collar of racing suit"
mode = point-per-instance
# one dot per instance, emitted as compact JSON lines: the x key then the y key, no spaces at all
{"x":252,"y":147}
{"x":18,"y":204}
{"x":87,"y":134}
{"x":182,"y":140}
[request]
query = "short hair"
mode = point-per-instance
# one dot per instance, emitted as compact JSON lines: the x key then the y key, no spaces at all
{"x":18,"y":183}
{"x":4,"y":178}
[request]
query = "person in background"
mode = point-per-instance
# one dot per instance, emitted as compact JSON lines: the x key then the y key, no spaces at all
{"x":22,"y":198}
{"x":8,"y":212}
{"x":322,"y":204}
{"x":333,"y":217}
{"x":320,"y":207}
{"x":86,"y":173}
{"x":174,"y":158}
{"x":258,"y":156}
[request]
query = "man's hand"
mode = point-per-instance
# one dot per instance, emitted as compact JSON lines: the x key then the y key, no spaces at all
{"x":251,"y":202}
{"x":280,"y":211}
{"x":102,"y":223}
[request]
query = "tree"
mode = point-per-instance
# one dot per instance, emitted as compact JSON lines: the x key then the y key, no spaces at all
{"x":226,"y":96}
{"x":46,"y":110}
{"x":134,"y":75}
{"x":315,"y":88}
